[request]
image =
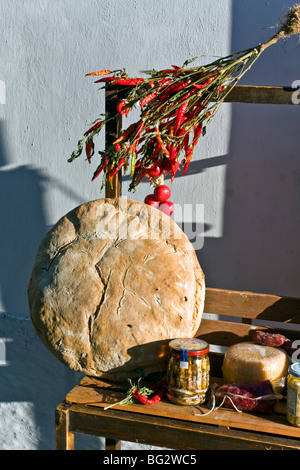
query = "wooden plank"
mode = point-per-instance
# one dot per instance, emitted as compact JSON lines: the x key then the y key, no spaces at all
{"x":275,"y":424}
{"x":171,"y":433}
{"x":113,"y":130}
{"x":225,"y":333}
{"x":252,"y":305}
{"x":88,"y":381}
{"x":260,"y":95}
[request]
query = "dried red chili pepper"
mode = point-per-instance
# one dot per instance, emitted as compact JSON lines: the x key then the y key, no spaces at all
{"x":120,"y":164}
{"x":180,"y":116}
{"x":148,"y":98}
{"x":160,"y":141}
{"x":206,"y":82}
{"x":173,"y":88}
{"x":100,"y":168}
{"x":188,"y":158}
{"x":88,"y":149}
{"x":128,"y":81}
{"x":149,"y":401}
{"x":121,"y":107}
{"x":143,"y":173}
{"x":126,"y":133}
{"x":107,"y":80}
{"x":156,"y":150}
{"x":100,"y":72}
{"x":93,"y":128}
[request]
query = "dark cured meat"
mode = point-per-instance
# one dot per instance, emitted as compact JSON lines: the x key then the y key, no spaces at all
{"x":252,"y":396}
{"x":273,"y":339}
{"x":268,"y":339}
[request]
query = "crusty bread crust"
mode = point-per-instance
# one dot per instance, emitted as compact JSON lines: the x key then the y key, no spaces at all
{"x":113,"y":282}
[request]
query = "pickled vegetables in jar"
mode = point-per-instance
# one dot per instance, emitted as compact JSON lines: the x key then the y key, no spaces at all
{"x":188,"y":371}
{"x":293,"y":395}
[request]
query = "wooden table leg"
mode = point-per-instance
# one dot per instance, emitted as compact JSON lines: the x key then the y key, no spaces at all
{"x":112,"y":444}
{"x":64,"y":439}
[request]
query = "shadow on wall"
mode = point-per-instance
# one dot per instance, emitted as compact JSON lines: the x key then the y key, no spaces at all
{"x":22,"y":226}
{"x":260,"y":250}
{"x":32,"y":381}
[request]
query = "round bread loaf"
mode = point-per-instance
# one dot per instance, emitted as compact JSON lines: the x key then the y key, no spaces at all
{"x":113,"y":281}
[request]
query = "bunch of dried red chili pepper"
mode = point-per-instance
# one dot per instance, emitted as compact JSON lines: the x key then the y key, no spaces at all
{"x":176,"y":105}
{"x":145,"y":395}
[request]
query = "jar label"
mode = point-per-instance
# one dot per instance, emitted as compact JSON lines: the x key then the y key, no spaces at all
{"x":184,"y":359}
{"x":291,"y":401}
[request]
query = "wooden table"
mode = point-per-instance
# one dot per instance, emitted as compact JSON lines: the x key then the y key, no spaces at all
{"x":165,"y":424}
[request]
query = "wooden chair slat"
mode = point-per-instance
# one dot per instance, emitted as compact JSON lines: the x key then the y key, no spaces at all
{"x":252,"y":305}
{"x":225,"y":333}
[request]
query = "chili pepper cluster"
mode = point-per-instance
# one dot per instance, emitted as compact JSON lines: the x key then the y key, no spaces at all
{"x":176,"y":105}
{"x":144,"y":395}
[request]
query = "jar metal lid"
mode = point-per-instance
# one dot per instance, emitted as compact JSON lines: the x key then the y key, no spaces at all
{"x":294,"y":369}
{"x":193,"y":346}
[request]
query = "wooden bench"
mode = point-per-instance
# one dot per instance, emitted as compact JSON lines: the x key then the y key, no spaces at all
{"x":187,"y":427}
{"x":229,"y":315}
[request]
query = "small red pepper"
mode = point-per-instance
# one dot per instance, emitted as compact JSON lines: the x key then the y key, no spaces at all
{"x":120,"y":164}
{"x":160,"y":141}
{"x":188,"y":158}
{"x":107,"y":80}
{"x":149,"y":401}
{"x":100,"y":168}
{"x":180,"y":116}
{"x":173,"y":88}
{"x":100,"y":72}
{"x":121,"y":107}
{"x":142,"y":174}
{"x":147,"y":99}
{"x":88,"y":149}
{"x":125,"y":134}
{"x":129,"y":81}
{"x":93,"y":128}
{"x":206,"y":82}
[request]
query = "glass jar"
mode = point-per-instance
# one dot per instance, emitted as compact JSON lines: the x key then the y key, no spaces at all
{"x":188,"y":371}
{"x":293,"y":395}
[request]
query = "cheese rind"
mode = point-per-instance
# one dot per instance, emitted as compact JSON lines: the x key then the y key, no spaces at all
{"x":251,"y":362}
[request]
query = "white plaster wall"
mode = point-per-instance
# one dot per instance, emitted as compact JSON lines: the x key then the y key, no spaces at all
{"x":245,"y":172}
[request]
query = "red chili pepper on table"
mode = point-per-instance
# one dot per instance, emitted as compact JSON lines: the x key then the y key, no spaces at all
{"x":148,"y":401}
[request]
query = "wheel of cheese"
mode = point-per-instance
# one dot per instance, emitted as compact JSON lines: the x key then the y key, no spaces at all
{"x":113,"y":281}
{"x":251,"y":362}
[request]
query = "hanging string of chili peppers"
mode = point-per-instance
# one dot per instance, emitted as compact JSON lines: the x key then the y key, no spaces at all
{"x":176,"y":105}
